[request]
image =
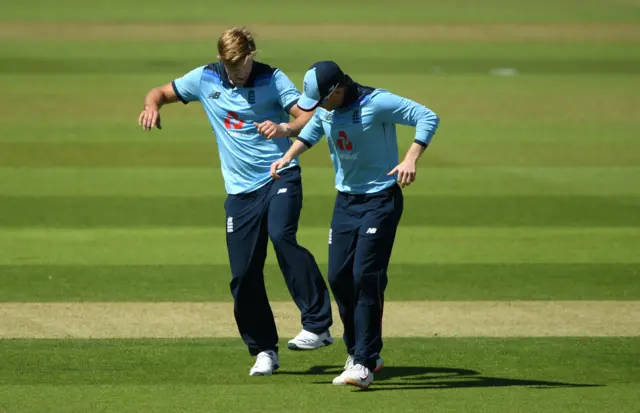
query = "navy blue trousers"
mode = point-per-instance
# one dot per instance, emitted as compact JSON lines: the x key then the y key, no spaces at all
{"x":272,"y":212}
{"x":363,"y":231}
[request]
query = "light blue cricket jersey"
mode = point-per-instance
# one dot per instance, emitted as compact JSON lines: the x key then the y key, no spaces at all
{"x":245,"y":155}
{"x":362,"y":136}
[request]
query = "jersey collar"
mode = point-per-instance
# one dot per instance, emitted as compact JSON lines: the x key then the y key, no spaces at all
{"x":225,"y":78}
{"x":351,"y":94}
{"x":354,"y":93}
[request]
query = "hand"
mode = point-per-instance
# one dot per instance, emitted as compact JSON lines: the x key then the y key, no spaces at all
{"x":279,"y":164}
{"x":406,"y":172}
{"x":149,"y":118}
{"x":272,"y":130}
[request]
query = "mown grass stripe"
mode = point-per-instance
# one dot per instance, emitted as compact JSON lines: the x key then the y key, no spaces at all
{"x":424,"y":210}
{"x":453,"y":32}
{"x":452,"y":375}
{"x":189,"y":283}
{"x":192,"y":154}
{"x":414,"y":245}
{"x":318,"y":180}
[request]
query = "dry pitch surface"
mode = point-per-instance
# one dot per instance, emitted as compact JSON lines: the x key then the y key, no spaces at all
{"x":401,"y":319}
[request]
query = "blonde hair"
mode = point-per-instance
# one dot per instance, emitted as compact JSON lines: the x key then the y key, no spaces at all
{"x":236,"y":45}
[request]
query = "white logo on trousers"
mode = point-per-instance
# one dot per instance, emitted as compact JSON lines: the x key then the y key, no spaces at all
{"x":372,"y":230}
{"x":230,"y":224}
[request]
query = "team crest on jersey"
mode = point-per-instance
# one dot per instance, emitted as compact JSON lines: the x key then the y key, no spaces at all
{"x":251,"y":98}
{"x":327,"y":117}
{"x":356,"y":116}
{"x":346,"y":147}
{"x":344,"y":143}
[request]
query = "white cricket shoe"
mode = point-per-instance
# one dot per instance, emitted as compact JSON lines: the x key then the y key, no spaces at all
{"x":266,"y":363}
{"x":357,"y":375}
{"x":307,"y":340}
{"x":351,"y":359}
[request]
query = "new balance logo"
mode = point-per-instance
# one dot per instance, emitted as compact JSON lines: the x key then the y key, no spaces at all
{"x":330,"y":236}
{"x":282,"y":190}
{"x":230,"y":224}
{"x":214,"y":95}
{"x":372,"y":230}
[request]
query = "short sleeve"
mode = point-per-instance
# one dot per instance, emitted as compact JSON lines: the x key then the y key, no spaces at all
{"x":312,"y":132}
{"x":288,"y":94}
{"x":187,"y":87}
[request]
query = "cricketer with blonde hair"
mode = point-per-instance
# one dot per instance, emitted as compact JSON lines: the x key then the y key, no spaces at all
{"x":247,"y":104}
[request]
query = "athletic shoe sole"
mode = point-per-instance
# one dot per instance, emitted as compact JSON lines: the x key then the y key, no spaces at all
{"x":257,"y":373}
{"x":294,"y":346}
{"x":356,"y":384}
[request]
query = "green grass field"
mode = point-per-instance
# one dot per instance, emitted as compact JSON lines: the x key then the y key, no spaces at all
{"x":530,"y":193}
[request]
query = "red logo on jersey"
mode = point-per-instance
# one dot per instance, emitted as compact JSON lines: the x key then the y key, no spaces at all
{"x":343,"y":142}
{"x":232,"y":121}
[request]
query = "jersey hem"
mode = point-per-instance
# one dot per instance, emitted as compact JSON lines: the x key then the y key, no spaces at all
{"x":267,"y":180}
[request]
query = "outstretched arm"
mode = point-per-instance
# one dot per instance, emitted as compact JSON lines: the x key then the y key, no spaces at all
{"x":301,"y":118}
{"x":288,"y":95}
{"x":285,"y":129}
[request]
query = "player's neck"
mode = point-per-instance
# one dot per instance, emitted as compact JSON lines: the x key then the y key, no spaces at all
{"x":349,"y":94}
{"x":247,"y":80}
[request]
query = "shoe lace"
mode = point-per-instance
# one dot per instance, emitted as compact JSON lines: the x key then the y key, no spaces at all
{"x":264,"y":357}
{"x":360,"y":369}
{"x":305,"y":335}
{"x":349,"y":363}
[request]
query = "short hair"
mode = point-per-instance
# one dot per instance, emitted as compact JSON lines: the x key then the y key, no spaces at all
{"x":235,"y":45}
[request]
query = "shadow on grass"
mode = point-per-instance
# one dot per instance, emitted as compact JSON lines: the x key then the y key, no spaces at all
{"x":422,"y":378}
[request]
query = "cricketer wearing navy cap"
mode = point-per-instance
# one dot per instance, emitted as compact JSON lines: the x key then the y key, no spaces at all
{"x":319,"y":82}
{"x":360,"y":125}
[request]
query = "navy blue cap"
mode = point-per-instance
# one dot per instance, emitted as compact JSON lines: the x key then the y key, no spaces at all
{"x":319,"y":82}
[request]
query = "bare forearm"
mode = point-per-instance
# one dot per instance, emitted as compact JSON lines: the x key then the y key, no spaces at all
{"x":415,"y":152}
{"x":297,"y":149}
{"x":159,"y":96}
{"x":154,"y":99}
{"x":296,"y":125}
{"x":301,"y":118}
